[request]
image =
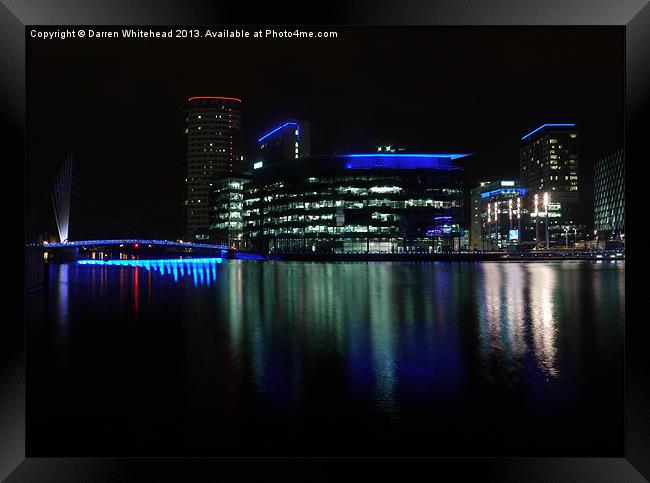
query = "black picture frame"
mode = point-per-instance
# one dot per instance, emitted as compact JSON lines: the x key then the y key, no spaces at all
{"x":633,"y":16}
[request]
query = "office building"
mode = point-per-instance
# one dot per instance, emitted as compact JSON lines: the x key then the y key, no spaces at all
{"x":391,"y":203}
{"x":213,"y":152}
{"x":549,"y":161}
{"x":549,"y":169}
{"x":609,"y":196}
{"x":226,"y":211}
{"x":288,"y":140}
{"x":498,"y":215}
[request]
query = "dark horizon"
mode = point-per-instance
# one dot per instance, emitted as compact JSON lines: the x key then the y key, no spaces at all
{"x":118,"y":105}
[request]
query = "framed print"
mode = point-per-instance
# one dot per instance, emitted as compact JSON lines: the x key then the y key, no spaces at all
{"x":395,"y":238}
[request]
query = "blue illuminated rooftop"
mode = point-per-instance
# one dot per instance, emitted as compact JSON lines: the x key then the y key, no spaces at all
{"x":402,"y":161}
{"x":547,"y":125}
{"x":273,"y":131}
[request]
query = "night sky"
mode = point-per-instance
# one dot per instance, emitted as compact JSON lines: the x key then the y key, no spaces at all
{"x":118,"y":105}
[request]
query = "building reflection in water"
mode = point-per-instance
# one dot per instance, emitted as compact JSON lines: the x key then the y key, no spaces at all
{"x":250,"y":350}
{"x":383,"y":320}
{"x":517,"y":307}
{"x":384,"y":332}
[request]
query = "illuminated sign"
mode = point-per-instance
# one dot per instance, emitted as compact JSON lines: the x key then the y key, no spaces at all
{"x":258,"y":165}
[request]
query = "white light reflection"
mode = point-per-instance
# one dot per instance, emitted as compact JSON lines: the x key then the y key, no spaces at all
{"x":502,"y":327}
{"x":543,"y":320}
{"x":62,"y":294}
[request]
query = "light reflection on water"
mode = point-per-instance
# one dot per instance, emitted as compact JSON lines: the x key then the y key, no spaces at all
{"x":517,"y":305}
{"x":391,"y":338}
{"x":201,"y":270}
{"x":542,"y":309}
{"x":62,"y":300}
{"x":385,"y":319}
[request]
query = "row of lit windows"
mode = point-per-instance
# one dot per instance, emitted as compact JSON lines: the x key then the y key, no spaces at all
{"x":329,"y":196}
{"x":402,"y":204}
{"x":324,"y":229}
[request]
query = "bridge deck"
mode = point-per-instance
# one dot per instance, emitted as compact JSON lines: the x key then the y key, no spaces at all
{"x":134,"y":242}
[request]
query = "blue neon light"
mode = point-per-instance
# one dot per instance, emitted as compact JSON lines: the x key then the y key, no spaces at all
{"x":376,"y":155}
{"x":520,"y":191}
{"x":402,"y":161}
{"x":277,"y":129}
{"x":444,"y":230}
{"x":548,"y":125}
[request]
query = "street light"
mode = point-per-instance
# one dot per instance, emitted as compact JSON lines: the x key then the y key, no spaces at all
{"x":546,"y":216}
{"x":496,"y":223}
{"x":518,"y":220}
{"x":536,"y":211}
{"x":489,"y":223}
{"x":510,"y":211}
{"x":566,"y":236}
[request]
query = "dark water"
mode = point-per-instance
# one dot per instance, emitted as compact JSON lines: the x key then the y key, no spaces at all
{"x":282,"y":358}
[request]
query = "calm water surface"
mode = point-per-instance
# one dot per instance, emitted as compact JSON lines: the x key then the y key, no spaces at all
{"x":291,"y":358}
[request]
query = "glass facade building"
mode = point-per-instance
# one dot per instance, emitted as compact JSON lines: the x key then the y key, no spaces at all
{"x":609,"y":196}
{"x":392,"y":203}
{"x":226,"y":211}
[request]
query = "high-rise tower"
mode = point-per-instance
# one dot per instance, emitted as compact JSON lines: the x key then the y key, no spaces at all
{"x":609,"y":195}
{"x":548,"y":161}
{"x":213,"y":152}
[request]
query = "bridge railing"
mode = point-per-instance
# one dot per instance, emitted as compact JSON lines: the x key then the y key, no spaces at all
{"x":133,"y":241}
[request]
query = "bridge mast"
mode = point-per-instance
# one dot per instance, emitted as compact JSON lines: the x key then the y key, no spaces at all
{"x":61,"y":197}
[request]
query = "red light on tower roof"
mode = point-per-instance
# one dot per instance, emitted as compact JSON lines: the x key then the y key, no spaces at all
{"x":215,"y":97}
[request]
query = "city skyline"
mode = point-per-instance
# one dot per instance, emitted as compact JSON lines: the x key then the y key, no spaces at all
{"x":130,"y":156}
{"x":340,"y":245}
